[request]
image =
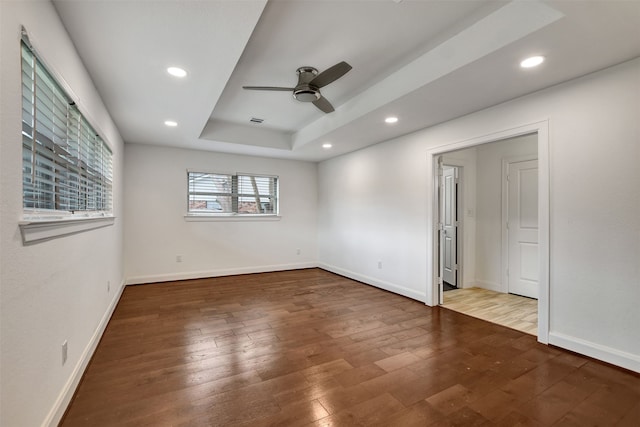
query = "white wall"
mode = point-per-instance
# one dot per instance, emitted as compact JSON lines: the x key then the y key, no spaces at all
{"x":488,"y":250}
{"x":380,"y":210}
{"x":372,"y":209}
{"x":156,"y":230}
{"x":56,"y":290}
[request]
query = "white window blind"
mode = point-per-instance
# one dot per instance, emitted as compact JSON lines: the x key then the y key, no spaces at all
{"x":212,"y":194}
{"x":66,"y":166}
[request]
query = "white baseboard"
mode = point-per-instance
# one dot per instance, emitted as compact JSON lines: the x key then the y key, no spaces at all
{"x":64,"y":398}
{"x":470,"y":284}
{"x":387,"y":286}
{"x":486,"y":284}
{"x":597,"y":351}
{"x":136,"y":280}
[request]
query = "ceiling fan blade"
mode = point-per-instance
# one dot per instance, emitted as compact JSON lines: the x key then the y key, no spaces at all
{"x":289,"y":89}
{"x":323,"y":105}
{"x":330,"y":74}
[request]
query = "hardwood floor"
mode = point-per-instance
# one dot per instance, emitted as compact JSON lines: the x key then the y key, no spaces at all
{"x":513,"y":311}
{"x":309,"y":347}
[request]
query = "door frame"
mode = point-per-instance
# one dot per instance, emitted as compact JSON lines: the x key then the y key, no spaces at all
{"x":541,"y":129}
{"x":505,"y":212}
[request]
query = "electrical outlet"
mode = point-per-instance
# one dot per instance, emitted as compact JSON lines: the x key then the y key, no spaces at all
{"x":64,"y":352}
{"x":380,"y":265}
{"x":298,"y":251}
{"x":178,"y":258}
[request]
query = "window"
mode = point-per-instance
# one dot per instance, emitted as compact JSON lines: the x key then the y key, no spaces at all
{"x":219,"y":194}
{"x":66,"y":166}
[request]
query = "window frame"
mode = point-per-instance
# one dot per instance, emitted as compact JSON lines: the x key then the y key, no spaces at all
{"x":235,"y":195}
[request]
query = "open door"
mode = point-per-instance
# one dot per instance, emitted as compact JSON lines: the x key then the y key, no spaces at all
{"x":522,"y":228}
{"x":449,"y":209}
{"x":448,"y":233}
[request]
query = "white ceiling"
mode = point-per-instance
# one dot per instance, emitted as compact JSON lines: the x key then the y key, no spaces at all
{"x":423,"y":61}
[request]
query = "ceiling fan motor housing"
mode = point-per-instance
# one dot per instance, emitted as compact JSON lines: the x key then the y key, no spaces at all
{"x":305,"y":92}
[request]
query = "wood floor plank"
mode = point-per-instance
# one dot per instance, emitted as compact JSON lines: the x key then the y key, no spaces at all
{"x":308,"y":347}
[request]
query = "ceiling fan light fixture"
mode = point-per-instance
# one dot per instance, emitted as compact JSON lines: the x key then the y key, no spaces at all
{"x":532,"y":61}
{"x":306,"y":95}
{"x":177,"y":72}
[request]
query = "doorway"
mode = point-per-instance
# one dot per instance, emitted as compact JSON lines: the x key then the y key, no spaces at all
{"x":534,"y":267}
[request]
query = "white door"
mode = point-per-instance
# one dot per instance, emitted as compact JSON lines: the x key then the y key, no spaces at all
{"x":449,"y":225}
{"x":522,"y":228}
{"x":440,"y":231}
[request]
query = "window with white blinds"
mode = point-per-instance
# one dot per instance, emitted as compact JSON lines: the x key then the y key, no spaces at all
{"x":66,"y":166}
{"x":220,"y":194}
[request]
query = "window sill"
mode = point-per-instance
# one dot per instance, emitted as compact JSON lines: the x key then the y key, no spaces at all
{"x":222,"y":217}
{"x":35,"y":230}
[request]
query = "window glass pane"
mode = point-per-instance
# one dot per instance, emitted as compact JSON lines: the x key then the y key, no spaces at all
{"x":232,"y":194}
{"x":210,"y":204}
{"x":66,"y":165}
{"x":210,"y":193}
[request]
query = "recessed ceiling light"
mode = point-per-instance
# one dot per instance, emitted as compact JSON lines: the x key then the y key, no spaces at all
{"x":171,"y":123}
{"x":176,"y":71}
{"x":533,"y":61}
{"x":391,"y":120}
{"x":326,"y":145}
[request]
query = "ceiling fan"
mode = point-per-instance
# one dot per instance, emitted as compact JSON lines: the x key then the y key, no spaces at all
{"x":309,"y":84}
